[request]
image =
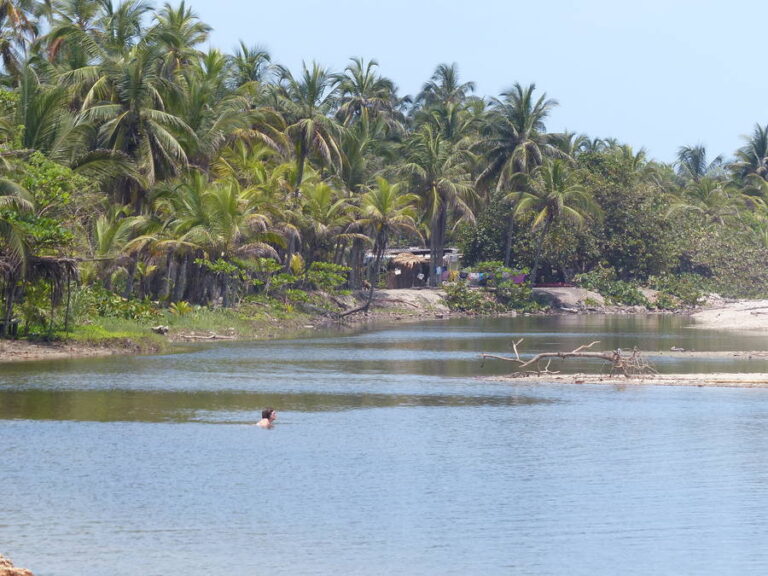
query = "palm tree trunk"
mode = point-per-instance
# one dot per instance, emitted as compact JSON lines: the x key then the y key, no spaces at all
{"x":355,"y":265}
{"x":131,"y":276}
{"x":372,"y":278}
{"x":165,"y":293}
{"x":181,"y":279}
{"x":539,"y":246}
{"x":10,"y":297}
{"x":510,"y":232}
{"x":437,"y":247}
{"x":301,"y":156}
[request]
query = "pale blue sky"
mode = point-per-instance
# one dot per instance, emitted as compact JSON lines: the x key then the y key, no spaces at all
{"x":656,"y":74}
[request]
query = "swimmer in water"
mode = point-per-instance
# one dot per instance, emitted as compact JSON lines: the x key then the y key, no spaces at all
{"x":268,"y":416}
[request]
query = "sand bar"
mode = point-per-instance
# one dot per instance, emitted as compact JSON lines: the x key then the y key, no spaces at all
{"x":731,"y":380}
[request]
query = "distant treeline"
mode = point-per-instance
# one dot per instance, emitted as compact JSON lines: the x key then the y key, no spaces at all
{"x":173,"y":174}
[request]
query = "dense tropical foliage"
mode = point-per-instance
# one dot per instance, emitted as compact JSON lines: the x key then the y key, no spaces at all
{"x":170,"y":174}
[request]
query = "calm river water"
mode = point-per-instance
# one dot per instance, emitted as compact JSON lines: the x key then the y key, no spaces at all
{"x":389,"y":456}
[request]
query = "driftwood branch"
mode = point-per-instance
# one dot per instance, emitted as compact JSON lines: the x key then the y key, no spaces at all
{"x":209,"y":337}
{"x":632,"y":364}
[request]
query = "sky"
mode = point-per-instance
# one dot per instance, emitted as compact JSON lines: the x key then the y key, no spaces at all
{"x":655,"y":74}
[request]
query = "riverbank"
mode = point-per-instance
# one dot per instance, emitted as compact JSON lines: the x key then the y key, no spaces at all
{"x":248,"y":322}
{"x":256,"y":322}
{"x":749,"y":315}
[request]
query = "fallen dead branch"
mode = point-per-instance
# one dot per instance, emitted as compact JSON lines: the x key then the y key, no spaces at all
{"x":209,"y":337}
{"x":632,"y":364}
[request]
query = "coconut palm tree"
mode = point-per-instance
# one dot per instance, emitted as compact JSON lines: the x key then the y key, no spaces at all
{"x":18,"y":28}
{"x":363,"y":92}
{"x":14,"y":247}
{"x":219,"y":220}
{"x":692,"y":163}
{"x":570,"y":144}
{"x":214,"y":113}
{"x":716,"y":200}
{"x":384,"y":209}
{"x":126,"y":104}
{"x":440,"y":176}
{"x":307,"y":103}
{"x":444,"y":87}
{"x":515,"y":140}
{"x":752,"y":158}
{"x":13,"y":200}
{"x":76,"y":37}
{"x":121,"y":25}
{"x":177,"y":31}
{"x":554,"y":195}
{"x":249,"y":64}
{"x":326,"y":214}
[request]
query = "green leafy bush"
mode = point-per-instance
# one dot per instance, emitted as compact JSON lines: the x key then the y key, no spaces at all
{"x":604,"y":281}
{"x":688,"y":289}
{"x":326,"y":276}
{"x":96,"y":301}
{"x":516,"y":296}
{"x":460,"y":297}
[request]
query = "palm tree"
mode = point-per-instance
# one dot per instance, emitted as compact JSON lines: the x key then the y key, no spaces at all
{"x":325,"y":216}
{"x":692,"y":163}
{"x":440,"y":176}
{"x":384,"y":210}
{"x":570,"y":144}
{"x":177,"y":31}
{"x":515,"y":143}
{"x":221,"y":222}
{"x":214,"y":114}
{"x":127,"y":105}
{"x":121,"y":25}
{"x":307,"y":103}
{"x":363,"y":92}
{"x":714,"y":199}
{"x":249,"y":65}
{"x":752,"y":158}
{"x":457,"y":122}
{"x":444,"y":87}
{"x":13,"y":200}
{"x":17,"y":29}
{"x":14,"y":248}
{"x":554,"y":196}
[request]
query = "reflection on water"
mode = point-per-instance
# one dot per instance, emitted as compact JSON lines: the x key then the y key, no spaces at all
{"x":388,"y":455}
{"x":143,"y":406}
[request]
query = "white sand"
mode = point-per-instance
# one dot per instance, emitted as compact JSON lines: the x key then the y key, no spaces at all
{"x":740,"y":315}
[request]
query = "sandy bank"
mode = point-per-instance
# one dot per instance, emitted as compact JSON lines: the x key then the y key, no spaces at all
{"x":698,"y":380}
{"x":22,"y":350}
{"x":740,"y":315}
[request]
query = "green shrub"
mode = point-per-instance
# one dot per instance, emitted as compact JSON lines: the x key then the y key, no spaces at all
{"x":516,"y":296}
{"x":180,"y":308}
{"x":688,"y":289}
{"x":326,"y":276}
{"x":96,"y":301}
{"x":462,"y":298}
{"x":604,"y":281}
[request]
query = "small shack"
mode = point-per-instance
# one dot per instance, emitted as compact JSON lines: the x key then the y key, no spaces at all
{"x":410,"y":267}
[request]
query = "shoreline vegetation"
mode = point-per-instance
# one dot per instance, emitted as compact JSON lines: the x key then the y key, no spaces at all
{"x":243,"y":324}
{"x":155,"y":191}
